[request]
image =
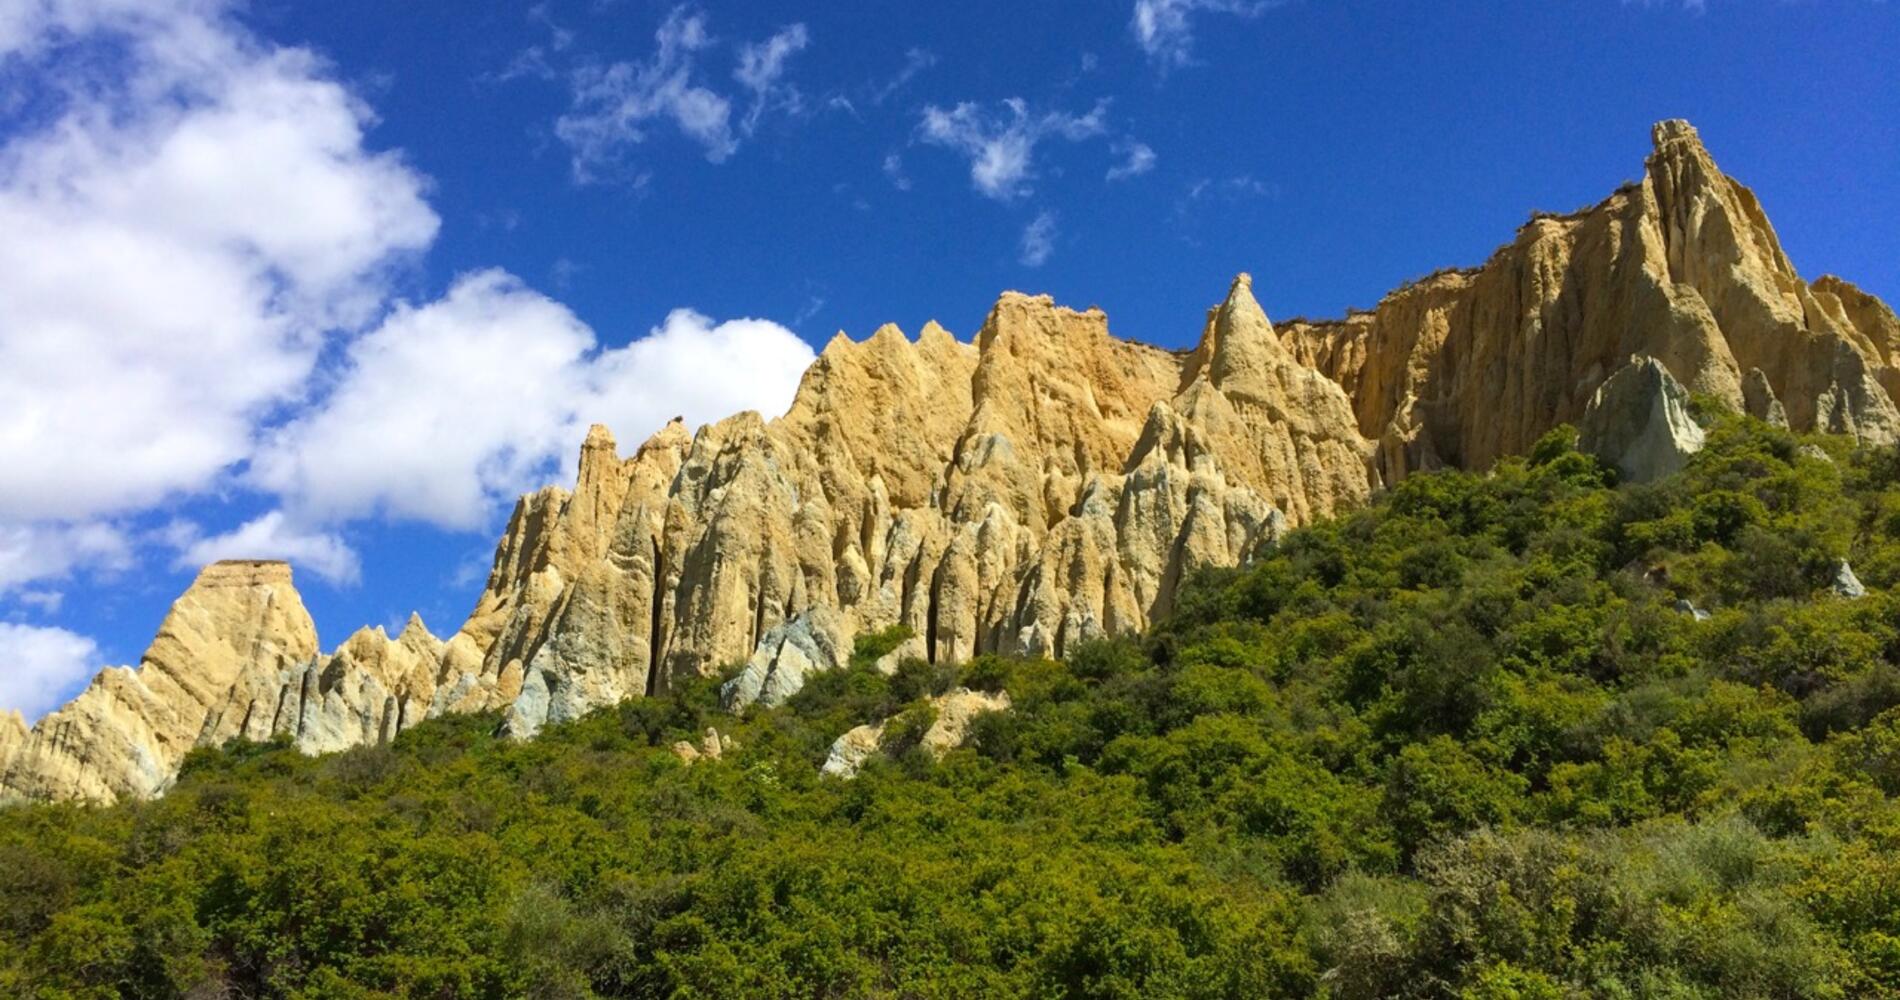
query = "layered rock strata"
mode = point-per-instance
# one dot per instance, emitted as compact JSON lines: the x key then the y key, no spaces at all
{"x":1041,"y":484}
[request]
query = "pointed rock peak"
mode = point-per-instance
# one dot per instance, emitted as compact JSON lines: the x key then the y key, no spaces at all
{"x":414,"y":627}
{"x":12,"y":725}
{"x":673,"y":436}
{"x":1679,"y":151}
{"x":1238,"y":336}
{"x":1673,"y":133}
{"x":365,"y":635}
{"x":934,"y":333}
{"x":839,"y":342}
{"x":599,"y":438}
{"x":1241,"y":304}
{"x":889,"y":335}
{"x":600,"y":460}
{"x":598,"y":448}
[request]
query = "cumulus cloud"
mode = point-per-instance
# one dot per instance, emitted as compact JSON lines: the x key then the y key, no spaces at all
{"x":177,"y":240}
{"x":1165,"y":28}
{"x":1039,"y":240}
{"x":413,"y":429}
{"x":1138,"y":159}
{"x":46,"y":550}
{"x":614,"y":105}
{"x":39,"y":665}
{"x":197,"y":250}
{"x":272,"y":536}
{"x":1001,"y":145}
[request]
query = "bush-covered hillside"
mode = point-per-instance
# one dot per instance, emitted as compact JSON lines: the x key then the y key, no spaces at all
{"x":1466,"y":743}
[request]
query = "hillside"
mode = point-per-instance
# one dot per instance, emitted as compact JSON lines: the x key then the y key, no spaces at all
{"x":1525,"y":733}
{"x":1039,"y":486}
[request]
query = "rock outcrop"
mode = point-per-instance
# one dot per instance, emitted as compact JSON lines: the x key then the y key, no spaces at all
{"x":711,"y":746}
{"x":1846,"y":583}
{"x":954,"y":711}
{"x":1466,"y":366}
{"x":125,"y":734}
{"x":1638,"y":421}
{"x":1041,"y":484}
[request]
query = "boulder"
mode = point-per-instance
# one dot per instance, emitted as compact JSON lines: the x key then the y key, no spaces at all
{"x":1639,"y":422}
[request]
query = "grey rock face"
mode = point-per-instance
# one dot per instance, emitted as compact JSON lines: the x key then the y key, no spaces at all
{"x":1758,"y":399}
{"x":791,"y":651}
{"x":1639,"y":421}
{"x":1846,"y":583}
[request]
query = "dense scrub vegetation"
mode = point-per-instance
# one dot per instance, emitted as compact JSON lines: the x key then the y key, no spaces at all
{"x":1465,"y":743}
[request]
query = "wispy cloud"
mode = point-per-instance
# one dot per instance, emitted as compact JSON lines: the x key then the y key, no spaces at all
{"x":1137,"y":159}
{"x":893,"y":168}
{"x":762,"y":66}
{"x":915,"y":62}
{"x":615,"y":104}
{"x":1203,"y":192}
{"x":1165,"y":28}
{"x":1039,"y":240}
{"x":537,"y":60}
{"x":1001,"y":144}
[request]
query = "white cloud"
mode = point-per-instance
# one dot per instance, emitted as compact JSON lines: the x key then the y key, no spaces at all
{"x":762,"y":64}
{"x":915,"y":62}
{"x":1001,"y":146}
{"x":196,"y":257}
{"x":272,"y":536}
{"x":615,"y":104}
{"x":39,"y":665}
{"x":47,"y":601}
{"x":450,"y":408}
{"x":535,"y":61}
{"x":177,"y":240}
{"x":1165,"y":31}
{"x":1140,"y":160}
{"x":637,"y":388}
{"x":1039,"y":240}
{"x":41,"y":551}
{"x":894,"y":169}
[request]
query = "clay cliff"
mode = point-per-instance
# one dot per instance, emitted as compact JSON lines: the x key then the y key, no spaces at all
{"x":1040,"y":484}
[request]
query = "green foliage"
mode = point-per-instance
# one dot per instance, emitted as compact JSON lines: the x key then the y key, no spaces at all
{"x":1462,"y":743}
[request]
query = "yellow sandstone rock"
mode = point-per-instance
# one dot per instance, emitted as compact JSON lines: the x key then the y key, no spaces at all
{"x":1044,"y":483}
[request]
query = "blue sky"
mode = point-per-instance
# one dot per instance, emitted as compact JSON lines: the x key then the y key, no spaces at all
{"x":334,"y":281}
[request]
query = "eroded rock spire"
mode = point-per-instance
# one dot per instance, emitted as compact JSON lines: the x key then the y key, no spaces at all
{"x":1041,"y":484}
